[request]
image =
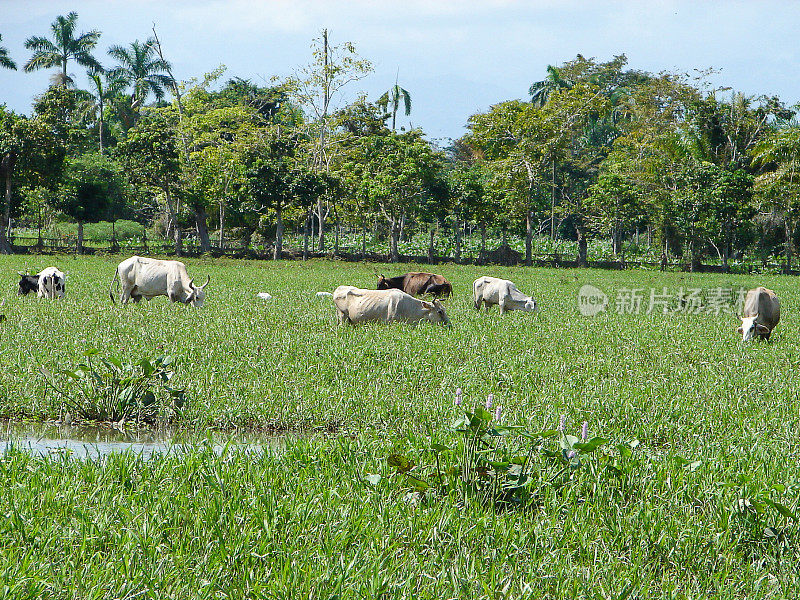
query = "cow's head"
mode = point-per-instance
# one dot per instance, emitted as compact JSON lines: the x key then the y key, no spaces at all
{"x":750,"y":327}
{"x":197,"y":295}
{"x":382,"y":283}
{"x":27,"y":284}
{"x":435,"y":312}
{"x":530,"y":304}
{"x":59,"y":284}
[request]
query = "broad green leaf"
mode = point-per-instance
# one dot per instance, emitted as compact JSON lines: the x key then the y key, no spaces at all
{"x":590,"y":446}
{"x":399,"y":462}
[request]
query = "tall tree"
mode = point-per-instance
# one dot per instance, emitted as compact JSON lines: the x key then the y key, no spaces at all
{"x":5,"y":60}
{"x":393,"y":98}
{"x":92,"y":184}
{"x":316,"y":87}
{"x":541,"y":91}
{"x":778,"y":185}
{"x":141,"y":68}
{"x":395,"y":171}
{"x":103,"y":87}
{"x":30,"y":156}
{"x":62,"y":48}
{"x":151,"y":156}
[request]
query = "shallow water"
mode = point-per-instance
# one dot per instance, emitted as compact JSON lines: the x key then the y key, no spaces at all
{"x":91,"y":441}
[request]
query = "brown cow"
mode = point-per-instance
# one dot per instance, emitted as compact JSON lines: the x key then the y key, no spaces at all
{"x":418,"y":284}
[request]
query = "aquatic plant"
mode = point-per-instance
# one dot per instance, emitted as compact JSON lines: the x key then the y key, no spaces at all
{"x":105,"y":388}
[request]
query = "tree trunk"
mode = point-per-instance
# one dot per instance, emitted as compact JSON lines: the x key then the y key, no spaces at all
{"x":201,"y":218}
{"x":431,"y":249}
{"x":7,"y":168}
{"x":221,"y":226}
{"x":553,"y":204}
{"x":402,"y":226}
{"x":79,"y":248}
{"x":305,"y":235}
{"x":583,"y":247}
{"x":364,"y":242}
{"x":177,"y":234}
{"x":321,"y":218}
{"x":393,"y":240}
{"x":457,"y":256}
{"x":789,"y":232}
{"x":483,"y":243}
{"x":528,"y":238}
{"x":336,"y":234}
{"x":278,"y":253}
{"x":725,"y":253}
{"x":114,"y":246}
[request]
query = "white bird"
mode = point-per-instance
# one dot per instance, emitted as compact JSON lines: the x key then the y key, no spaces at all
{"x":264,"y":296}
{"x":324,"y":295}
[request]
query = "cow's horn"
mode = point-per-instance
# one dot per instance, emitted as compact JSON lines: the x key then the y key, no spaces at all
{"x":208,"y":278}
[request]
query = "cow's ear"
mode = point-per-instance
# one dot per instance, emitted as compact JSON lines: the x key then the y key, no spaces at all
{"x":761,"y":328}
{"x":427,"y":305}
{"x":740,"y":330}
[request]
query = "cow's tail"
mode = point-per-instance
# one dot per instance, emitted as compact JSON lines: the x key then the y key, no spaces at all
{"x":111,"y":287}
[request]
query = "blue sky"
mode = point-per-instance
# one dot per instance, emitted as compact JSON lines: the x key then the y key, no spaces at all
{"x":455,"y":57}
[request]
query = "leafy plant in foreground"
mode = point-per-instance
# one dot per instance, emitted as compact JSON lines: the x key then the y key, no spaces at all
{"x":108,"y":389}
{"x":509,"y":464}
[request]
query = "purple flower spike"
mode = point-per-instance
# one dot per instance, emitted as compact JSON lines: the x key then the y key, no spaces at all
{"x":489,"y":401}
{"x":585,"y":431}
{"x":458,"y":398}
{"x":497,"y":412}
{"x":571,"y":454}
{"x":562,"y":423}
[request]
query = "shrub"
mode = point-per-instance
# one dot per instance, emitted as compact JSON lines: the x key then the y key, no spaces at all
{"x":108,"y":389}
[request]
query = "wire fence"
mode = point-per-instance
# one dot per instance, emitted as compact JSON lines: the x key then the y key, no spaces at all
{"x":503,"y":255}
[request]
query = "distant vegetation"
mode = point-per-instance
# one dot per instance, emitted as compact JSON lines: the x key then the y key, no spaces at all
{"x":597,"y":151}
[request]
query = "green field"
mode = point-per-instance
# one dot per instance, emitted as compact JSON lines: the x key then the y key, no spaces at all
{"x":716,"y":422}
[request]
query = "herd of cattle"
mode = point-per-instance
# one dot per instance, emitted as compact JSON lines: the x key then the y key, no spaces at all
{"x":393,"y":300}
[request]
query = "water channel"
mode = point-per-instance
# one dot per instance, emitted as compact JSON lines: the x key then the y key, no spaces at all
{"x":93,"y":441}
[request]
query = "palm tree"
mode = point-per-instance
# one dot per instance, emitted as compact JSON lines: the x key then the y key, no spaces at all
{"x":541,"y":90}
{"x":64,"y":47}
{"x":104,"y":87}
{"x":5,"y":61}
{"x":394,"y":96}
{"x":141,"y":68}
{"x":540,"y":93}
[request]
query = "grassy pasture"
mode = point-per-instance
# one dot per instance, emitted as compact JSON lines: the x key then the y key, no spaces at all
{"x":304,"y":524}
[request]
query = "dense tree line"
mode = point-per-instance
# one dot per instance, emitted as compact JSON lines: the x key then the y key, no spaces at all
{"x":595,"y":151}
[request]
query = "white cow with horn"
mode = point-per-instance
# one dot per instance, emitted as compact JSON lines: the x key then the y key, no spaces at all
{"x":149,"y":277}
{"x":760,"y":314}
{"x":502,"y":292}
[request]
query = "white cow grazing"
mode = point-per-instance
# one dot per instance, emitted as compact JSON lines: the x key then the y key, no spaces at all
{"x":51,"y":283}
{"x":760,"y":314}
{"x":354,"y":305}
{"x":149,"y":277}
{"x":491,"y":290}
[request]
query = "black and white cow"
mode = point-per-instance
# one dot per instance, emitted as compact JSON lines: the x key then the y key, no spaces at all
{"x":47,"y":283}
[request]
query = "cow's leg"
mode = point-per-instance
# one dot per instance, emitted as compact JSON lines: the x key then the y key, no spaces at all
{"x":477,"y":303}
{"x":502,"y":304}
{"x":136,"y":299}
{"x":125,"y":295}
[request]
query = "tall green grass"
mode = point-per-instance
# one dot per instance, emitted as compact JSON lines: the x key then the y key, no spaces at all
{"x":716,"y":422}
